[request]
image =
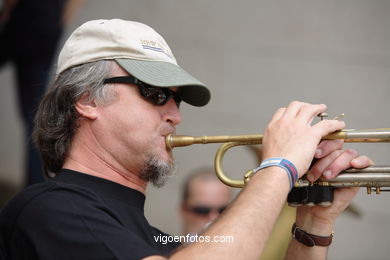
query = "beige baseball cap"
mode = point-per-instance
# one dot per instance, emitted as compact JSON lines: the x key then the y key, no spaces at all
{"x":138,"y":49}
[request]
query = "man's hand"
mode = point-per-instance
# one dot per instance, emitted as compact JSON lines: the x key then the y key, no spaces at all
{"x":332,"y":160}
{"x":291,"y":136}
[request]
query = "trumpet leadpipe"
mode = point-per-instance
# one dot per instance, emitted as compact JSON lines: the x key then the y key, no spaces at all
{"x":349,"y":136}
{"x":185,"y":140}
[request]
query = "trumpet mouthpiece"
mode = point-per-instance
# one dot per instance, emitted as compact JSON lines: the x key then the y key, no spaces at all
{"x":178,"y":140}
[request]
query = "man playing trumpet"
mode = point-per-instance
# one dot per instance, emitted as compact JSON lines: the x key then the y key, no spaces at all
{"x":101,"y":129}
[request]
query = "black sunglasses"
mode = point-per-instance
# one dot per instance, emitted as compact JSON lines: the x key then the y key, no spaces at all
{"x":204,"y":211}
{"x":155,"y":95}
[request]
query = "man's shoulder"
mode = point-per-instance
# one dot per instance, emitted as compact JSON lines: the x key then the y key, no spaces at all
{"x":45,"y":197}
{"x":57,"y":218}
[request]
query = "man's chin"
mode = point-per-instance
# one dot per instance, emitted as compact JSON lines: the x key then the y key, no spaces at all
{"x":158,"y":170}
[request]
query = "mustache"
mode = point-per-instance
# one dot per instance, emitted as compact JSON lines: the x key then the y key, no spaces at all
{"x":168,"y":130}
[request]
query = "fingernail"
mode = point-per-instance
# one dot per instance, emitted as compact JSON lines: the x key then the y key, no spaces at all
{"x":328,"y":174}
{"x":356,"y":161}
{"x":318,"y":152}
{"x":309,"y":177}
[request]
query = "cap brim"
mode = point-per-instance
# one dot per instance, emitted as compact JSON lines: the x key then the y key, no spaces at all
{"x":164,"y":74}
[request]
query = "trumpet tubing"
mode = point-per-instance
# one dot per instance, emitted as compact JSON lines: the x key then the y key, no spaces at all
{"x":349,"y":136}
{"x":373,"y":178}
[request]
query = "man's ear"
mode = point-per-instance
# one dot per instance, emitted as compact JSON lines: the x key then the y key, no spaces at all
{"x":86,"y":108}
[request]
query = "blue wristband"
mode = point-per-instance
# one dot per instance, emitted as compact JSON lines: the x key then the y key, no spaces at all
{"x":288,"y":166}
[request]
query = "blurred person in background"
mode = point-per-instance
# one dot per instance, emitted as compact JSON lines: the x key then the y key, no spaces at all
{"x":204,"y":198}
{"x":29,"y":34}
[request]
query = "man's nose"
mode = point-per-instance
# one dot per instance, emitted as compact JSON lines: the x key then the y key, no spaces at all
{"x":171,"y":112}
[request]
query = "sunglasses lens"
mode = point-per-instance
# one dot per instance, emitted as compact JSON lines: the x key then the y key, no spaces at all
{"x":201,"y":210}
{"x":177,"y":99}
{"x":155,"y":95}
{"x":160,"y":96}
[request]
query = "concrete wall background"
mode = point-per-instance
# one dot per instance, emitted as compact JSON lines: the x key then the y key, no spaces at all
{"x":257,"y":56}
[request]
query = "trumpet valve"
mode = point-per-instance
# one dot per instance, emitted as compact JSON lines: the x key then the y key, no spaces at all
{"x":322,"y":115}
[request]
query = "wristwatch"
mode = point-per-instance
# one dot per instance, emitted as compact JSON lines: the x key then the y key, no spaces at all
{"x":308,"y":239}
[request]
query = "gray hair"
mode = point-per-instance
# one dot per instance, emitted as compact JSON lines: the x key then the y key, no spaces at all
{"x":56,"y":120}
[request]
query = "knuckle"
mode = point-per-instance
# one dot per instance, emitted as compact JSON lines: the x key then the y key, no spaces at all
{"x":268,"y":129}
{"x":341,"y":163}
{"x":327,"y":123}
{"x":332,"y":144}
{"x":352,"y":152}
{"x":305,"y":106}
{"x":315,"y":171}
{"x":280,"y":110}
{"x":322,"y":106}
{"x":295,"y":103}
{"x":334,"y":155}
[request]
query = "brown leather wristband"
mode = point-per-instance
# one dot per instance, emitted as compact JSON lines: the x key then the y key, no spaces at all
{"x":310,"y":240}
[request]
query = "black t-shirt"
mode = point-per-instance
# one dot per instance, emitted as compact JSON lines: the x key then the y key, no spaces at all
{"x":78,"y":216}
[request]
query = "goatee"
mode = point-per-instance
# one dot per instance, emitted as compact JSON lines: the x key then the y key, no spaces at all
{"x":157,"y":171}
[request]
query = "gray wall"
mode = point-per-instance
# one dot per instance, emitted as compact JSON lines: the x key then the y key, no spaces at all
{"x":257,"y":56}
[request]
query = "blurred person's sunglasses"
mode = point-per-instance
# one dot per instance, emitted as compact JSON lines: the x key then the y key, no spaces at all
{"x":156,"y":95}
{"x":204,"y":211}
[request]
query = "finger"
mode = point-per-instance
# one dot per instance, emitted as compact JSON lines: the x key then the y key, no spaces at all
{"x":321,"y":165}
{"x":308,"y":112}
{"x":293,"y":109}
{"x":361,"y":162}
{"x":341,"y":163}
{"x":278,"y":114}
{"x":326,"y":127}
{"x":328,"y":146}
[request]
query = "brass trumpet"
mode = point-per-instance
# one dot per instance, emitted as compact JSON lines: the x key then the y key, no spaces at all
{"x":373,"y":178}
